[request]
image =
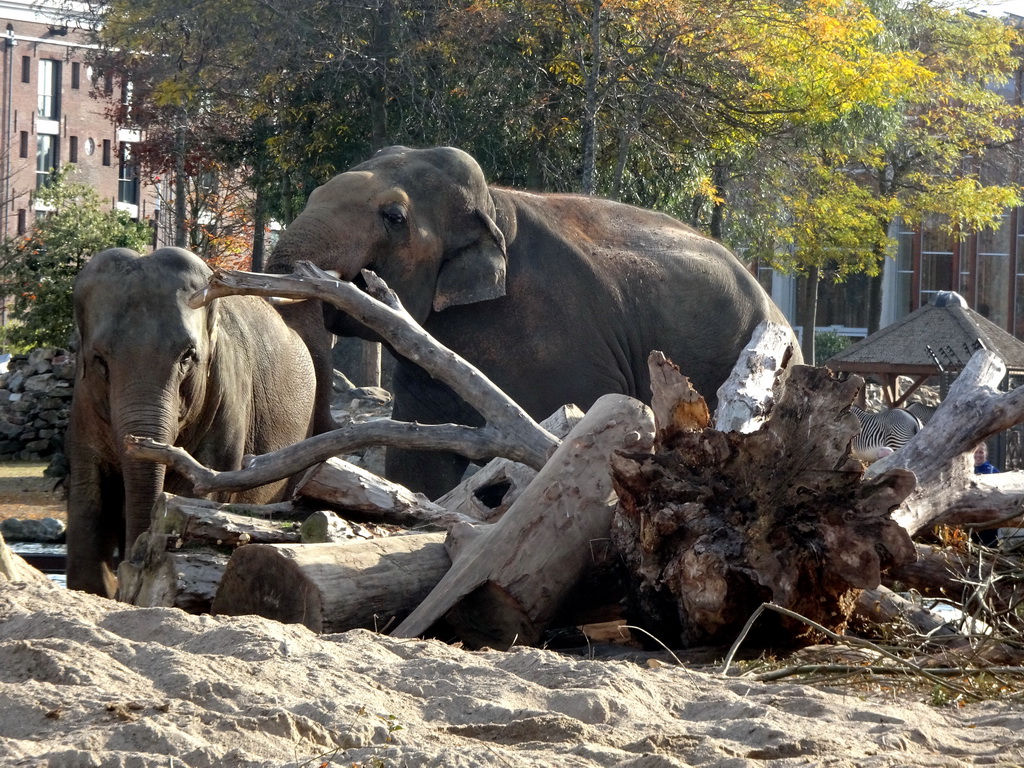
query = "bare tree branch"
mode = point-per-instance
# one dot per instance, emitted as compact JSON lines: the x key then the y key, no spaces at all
{"x":509,"y":431}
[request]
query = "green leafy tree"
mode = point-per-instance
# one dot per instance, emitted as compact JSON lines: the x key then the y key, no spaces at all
{"x":820,"y":201}
{"x":38,"y":270}
{"x":745,"y":117}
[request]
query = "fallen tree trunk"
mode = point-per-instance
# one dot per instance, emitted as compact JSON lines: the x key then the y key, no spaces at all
{"x":715,"y":523}
{"x":333,"y":587}
{"x":941,"y":572}
{"x":508,"y":581}
{"x":179,"y":562}
{"x":968,"y":645}
{"x":210,"y":522}
{"x":354,"y":489}
{"x":947,"y":489}
{"x":747,"y":397}
{"x":14,"y":568}
{"x":155,"y":577}
{"x":488,"y":494}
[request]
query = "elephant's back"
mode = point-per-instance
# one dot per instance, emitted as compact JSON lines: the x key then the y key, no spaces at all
{"x":615,"y":282}
{"x":623,"y":241}
{"x":646,"y":261}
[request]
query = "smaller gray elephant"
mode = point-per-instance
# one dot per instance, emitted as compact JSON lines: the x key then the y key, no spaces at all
{"x":222,"y":381}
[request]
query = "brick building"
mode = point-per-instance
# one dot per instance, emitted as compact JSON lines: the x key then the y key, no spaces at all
{"x":52,"y":116}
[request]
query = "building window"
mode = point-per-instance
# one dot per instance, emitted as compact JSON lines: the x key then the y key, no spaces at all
{"x":127,"y":176}
{"x":22,"y":221}
{"x":73,"y":149}
{"x":106,"y":151}
{"x":992,"y":297}
{"x":24,"y":144}
{"x":49,"y":89}
{"x":108,"y":83}
{"x":937,"y":244}
{"x":126,"y":101}
{"x":26,"y":69}
{"x":906,"y":236}
{"x":76,"y":75}
{"x":46,"y":159}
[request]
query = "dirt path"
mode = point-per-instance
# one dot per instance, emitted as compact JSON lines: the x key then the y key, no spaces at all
{"x":26,"y":494}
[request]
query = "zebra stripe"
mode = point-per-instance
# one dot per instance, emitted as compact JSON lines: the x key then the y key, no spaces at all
{"x":922,"y":411}
{"x":882,"y":433}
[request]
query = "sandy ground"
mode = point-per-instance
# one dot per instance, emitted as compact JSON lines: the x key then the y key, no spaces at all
{"x":90,"y":683}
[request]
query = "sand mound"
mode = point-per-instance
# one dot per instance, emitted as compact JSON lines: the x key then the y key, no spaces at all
{"x":90,"y":682}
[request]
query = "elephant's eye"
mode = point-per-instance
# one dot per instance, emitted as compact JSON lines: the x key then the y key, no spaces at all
{"x":394,"y":214}
{"x":188,"y":358}
{"x":101,"y":366}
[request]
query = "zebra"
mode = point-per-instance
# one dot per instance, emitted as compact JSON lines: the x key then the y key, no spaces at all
{"x":921,"y":410}
{"x":882,"y":433}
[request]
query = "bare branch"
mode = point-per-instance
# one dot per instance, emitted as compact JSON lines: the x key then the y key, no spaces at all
{"x":509,"y":431}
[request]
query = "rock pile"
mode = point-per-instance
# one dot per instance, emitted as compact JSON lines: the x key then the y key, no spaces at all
{"x":35,"y":400}
{"x":48,"y":530}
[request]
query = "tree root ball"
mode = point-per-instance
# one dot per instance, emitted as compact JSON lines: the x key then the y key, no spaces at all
{"x":714,"y":524}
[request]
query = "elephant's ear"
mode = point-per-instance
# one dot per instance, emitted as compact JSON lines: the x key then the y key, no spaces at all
{"x":475,"y":271}
{"x":212,"y":314}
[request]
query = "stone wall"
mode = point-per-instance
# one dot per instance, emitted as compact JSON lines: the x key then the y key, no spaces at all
{"x":35,"y":400}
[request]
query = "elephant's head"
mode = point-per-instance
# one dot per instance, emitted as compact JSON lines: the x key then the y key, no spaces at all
{"x":423,"y":220}
{"x":143,"y":360}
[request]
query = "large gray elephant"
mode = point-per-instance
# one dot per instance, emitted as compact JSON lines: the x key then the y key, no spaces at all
{"x":223,"y":381}
{"x":557,"y":298}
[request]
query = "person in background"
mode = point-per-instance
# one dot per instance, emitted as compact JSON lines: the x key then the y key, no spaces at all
{"x":982,"y":466}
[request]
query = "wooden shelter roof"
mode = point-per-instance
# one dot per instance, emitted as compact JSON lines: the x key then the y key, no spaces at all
{"x":939,"y":337}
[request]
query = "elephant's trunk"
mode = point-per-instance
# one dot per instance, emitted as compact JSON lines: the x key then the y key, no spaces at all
{"x":143,"y":412}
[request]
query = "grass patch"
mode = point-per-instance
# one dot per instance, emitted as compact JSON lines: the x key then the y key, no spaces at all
{"x":23,"y":482}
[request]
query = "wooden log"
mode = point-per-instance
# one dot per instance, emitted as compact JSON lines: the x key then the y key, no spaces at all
{"x":716,"y":523}
{"x":324,"y":527}
{"x":488,"y":494}
{"x":883,"y":606}
{"x":939,"y":572}
{"x":179,"y":562}
{"x":676,"y":406}
{"x":979,"y":502}
{"x":939,"y":455}
{"x":508,"y":582}
{"x":972,"y":644}
{"x":14,"y":568}
{"x":333,"y":587}
{"x":210,"y":522}
{"x":982,"y":582}
{"x":351,"y":488}
{"x":746,"y":398}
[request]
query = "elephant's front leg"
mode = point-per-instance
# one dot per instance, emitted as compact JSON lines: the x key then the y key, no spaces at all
{"x":95,"y":531}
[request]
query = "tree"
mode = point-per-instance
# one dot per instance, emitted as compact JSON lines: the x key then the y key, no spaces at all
{"x":923,"y":151}
{"x":38,"y":270}
{"x":705,"y":111}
